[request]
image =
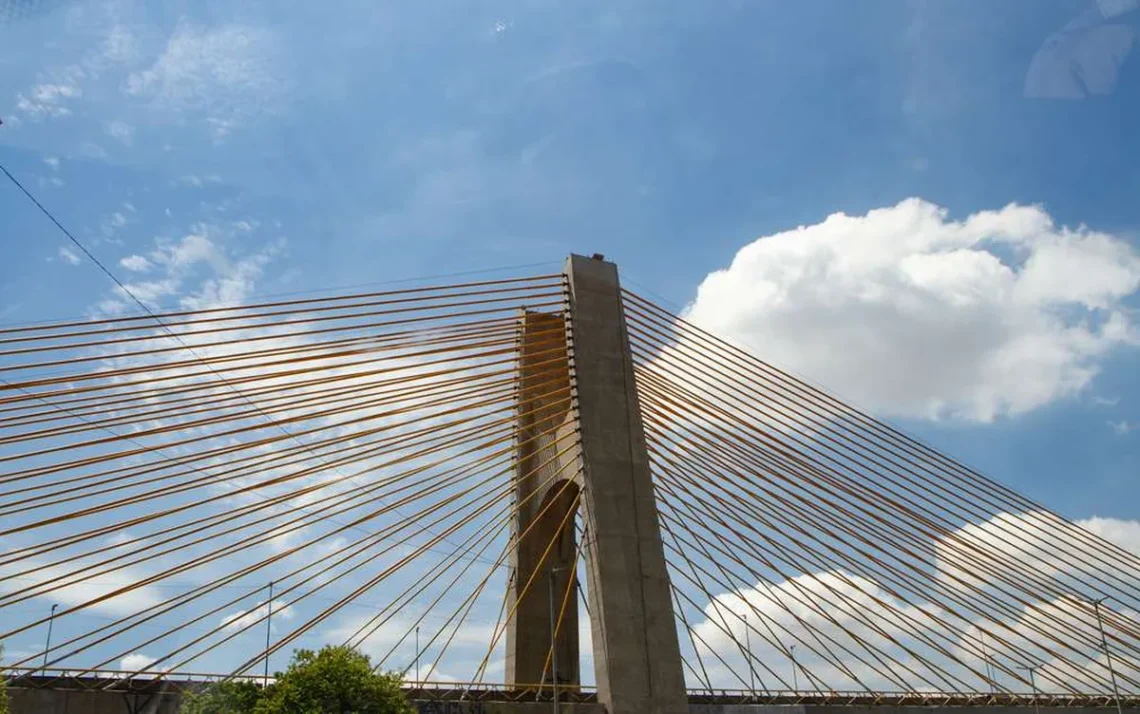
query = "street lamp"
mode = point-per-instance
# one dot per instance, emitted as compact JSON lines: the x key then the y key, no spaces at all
{"x":554,"y":637}
{"x":418,"y":656}
{"x":47,"y":645}
{"x":268,"y":620}
{"x":748,"y":647}
{"x":1033,"y":685}
{"x":1104,"y":643}
{"x":986,"y":661}
{"x":795,"y":679}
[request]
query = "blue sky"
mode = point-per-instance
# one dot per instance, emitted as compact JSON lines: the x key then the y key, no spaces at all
{"x":306,"y":149}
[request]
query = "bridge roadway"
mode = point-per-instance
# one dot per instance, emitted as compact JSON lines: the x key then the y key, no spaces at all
{"x":64,"y":694}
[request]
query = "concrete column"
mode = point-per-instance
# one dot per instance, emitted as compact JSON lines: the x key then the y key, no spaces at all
{"x":546,"y":428}
{"x":637,"y":660}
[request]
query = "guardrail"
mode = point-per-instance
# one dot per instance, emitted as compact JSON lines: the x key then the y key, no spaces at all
{"x":147,"y":682}
{"x":944,"y":699}
{"x":153,"y":682}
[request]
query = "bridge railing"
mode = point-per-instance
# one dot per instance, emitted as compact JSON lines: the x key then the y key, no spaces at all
{"x":153,"y":681}
{"x":915,"y":698}
{"x":147,"y":681}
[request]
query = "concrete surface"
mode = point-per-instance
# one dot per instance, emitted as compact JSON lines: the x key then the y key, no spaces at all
{"x":637,"y":660}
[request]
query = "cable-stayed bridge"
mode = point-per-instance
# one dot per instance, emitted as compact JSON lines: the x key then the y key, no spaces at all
{"x":519,"y":493}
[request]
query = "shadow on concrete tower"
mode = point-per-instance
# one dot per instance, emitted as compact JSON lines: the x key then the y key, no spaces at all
{"x":585,"y":350}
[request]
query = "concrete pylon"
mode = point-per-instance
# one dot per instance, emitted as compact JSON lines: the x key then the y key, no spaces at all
{"x":637,"y":660}
{"x":546,"y":459}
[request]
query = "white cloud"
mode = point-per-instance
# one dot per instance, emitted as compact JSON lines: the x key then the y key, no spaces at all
{"x":60,"y":584}
{"x":136,"y":263}
{"x":1017,"y":544}
{"x":92,"y":150}
{"x":48,"y":99}
{"x":69,"y":256}
{"x":793,"y":613}
{"x":136,"y":662}
{"x":226,"y":73}
{"x":1076,"y":660}
{"x":113,"y":223}
{"x":1058,"y":632}
{"x":53,"y":162}
{"x":1122,"y":428}
{"x":120,"y":130}
{"x":59,"y":85}
{"x":200,"y":269}
{"x":910,"y":313}
{"x":149,"y":291}
{"x":193,"y":248}
{"x":1124,"y":533}
{"x":244,"y":618}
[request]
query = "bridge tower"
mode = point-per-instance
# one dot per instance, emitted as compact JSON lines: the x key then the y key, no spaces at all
{"x":637,"y":660}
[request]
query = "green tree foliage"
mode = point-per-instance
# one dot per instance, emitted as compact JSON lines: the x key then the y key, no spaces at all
{"x":335,"y":680}
{"x":230,"y":697}
{"x":3,"y":687}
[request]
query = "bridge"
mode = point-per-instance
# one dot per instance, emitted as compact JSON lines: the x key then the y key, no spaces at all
{"x":535,"y":492}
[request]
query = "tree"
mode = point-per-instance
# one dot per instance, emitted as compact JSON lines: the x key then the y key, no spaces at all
{"x":229,"y":697}
{"x":3,"y":688}
{"x":335,"y":680}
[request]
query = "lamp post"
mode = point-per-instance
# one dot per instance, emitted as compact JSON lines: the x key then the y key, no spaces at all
{"x":1095,"y":602}
{"x":795,"y":678}
{"x":554,"y":637}
{"x":986,"y":661}
{"x":268,"y":620}
{"x":748,"y":648}
{"x":418,"y":656}
{"x":1032,"y":669}
{"x":47,"y":645}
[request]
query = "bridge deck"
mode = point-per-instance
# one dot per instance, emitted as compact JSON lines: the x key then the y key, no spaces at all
{"x":118,"y":683}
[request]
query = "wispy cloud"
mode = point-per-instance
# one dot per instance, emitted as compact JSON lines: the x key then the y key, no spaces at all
{"x":69,"y":256}
{"x":60,"y":85}
{"x":1123,"y":428}
{"x":244,"y":618}
{"x":199,"y":270}
{"x":48,"y":100}
{"x":226,"y":73}
{"x":120,"y":130}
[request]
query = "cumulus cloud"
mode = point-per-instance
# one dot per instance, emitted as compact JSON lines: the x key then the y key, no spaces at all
{"x":1031,"y":545}
{"x":1052,"y":624}
{"x":136,"y":662}
{"x":1062,"y":637}
{"x":797,"y":621}
{"x":136,"y":263}
{"x":1122,"y":532}
{"x":909,"y":312}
